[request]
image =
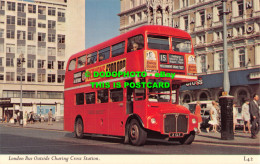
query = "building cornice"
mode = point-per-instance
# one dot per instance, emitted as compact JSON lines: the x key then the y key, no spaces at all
{"x":132,"y":10}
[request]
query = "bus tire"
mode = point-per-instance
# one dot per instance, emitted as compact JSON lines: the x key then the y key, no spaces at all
{"x":137,"y":135}
{"x":79,"y":133}
{"x":188,"y":139}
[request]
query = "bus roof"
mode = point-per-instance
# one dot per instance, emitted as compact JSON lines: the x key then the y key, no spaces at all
{"x":153,"y":29}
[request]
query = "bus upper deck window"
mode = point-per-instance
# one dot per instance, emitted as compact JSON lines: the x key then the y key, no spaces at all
{"x":72,"y":64}
{"x":92,"y":58}
{"x":118,"y":49}
{"x":158,"y":42}
{"x":135,"y":43}
{"x":181,"y":45}
{"x":104,"y":54}
{"x":81,"y":61}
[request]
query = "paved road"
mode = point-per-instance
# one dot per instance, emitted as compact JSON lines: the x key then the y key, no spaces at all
{"x":15,"y":140}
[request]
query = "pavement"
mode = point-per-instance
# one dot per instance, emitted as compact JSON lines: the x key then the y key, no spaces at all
{"x":240,"y":138}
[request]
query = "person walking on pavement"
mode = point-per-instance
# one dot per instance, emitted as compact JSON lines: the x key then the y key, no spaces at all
{"x":213,"y":117}
{"x":197,"y":113}
{"x":15,"y":117}
{"x":246,"y":116}
{"x":234,"y":117}
{"x":254,"y":115}
{"x":25,"y":118}
{"x":50,"y":117}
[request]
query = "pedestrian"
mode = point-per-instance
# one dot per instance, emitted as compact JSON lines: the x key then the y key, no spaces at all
{"x":234,"y":117}
{"x":15,"y":117}
{"x":254,"y":115}
{"x":213,"y":117}
{"x":50,"y":117}
{"x":25,"y":118}
{"x":31,"y":118}
{"x":246,"y":116}
{"x":197,"y":113}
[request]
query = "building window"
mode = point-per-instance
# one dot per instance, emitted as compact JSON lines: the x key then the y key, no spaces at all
{"x":2,"y":5}
{"x":9,"y":76}
{"x":61,"y":65}
{"x":221,"y":61}
{"x":21,"y":21}
{"x":10,"y":20}
{"x":20,"y":35}
{"x":203,"y":63}
{"x":240,"y":8}
{"x":10,"y":48}
{"x":51,"y":78}
{"x":50,"y":64}
{"x":10,"y":34}
{"x":51,"y":37}
{"x":41,"y":25}
{"x":186,"y":23}
{"x":31,"y":8}
{"x":202,"y":17}
{"x":31,"y":35}
{"x":21,"y":7}
{"x":41,"y":50}
{"x":11,"y":6}
{"x":31,"y":22}
{"x":49,"y":95}
{"x":9,"y":62}
{"x":185,"y":3}
{"x":42,"y":10}
{"x":1,"y":77}
{"x":132,"y":19}
{"x":51,"y":11}
{"x":61,"y":38}
{"x":242,"y":58}
{"x":220,"y":13}
{"x":186,"y":99}
{"x":41,"y":64}
{"x":41,"y":37}
{"x":2,"y":33}
{"x":61,"y":78}
{"x":51,"y":24}
{"x":31,"y":77}
{"x":1,"y":62}
{"x":203,"y":96}
{"x":2,"y":47}
{"x":31,"y":50}
{"x":201,"y":39}
{"x":19,"y":78}
{"x":61,"y":51}
{"x":20,"y":49}
{"x":51,"y":51}
{"x":41,"y":77}
{"x":30,"y":63}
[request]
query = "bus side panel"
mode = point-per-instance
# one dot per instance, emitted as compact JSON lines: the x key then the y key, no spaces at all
{"x":90,"y":119}
{"x":116,"y":117}
{"x":102,"y":118}
{"x":139,"y":109}
{"x":135,"y":61}
{"x":68,"y":111}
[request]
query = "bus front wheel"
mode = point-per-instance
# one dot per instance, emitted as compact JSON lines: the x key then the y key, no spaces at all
{"x":136,"y":133}
{"x":188,"y":139}
{"x":79,"y":128}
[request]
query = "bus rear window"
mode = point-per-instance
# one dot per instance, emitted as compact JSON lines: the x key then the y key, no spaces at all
{"x":118,"y":49}
{"x":158,"y":42}
{"x":92,"y":58}
{"x":81,"y":61}
{"x":104,"y":54}
{"x":90,"y":98}
{"x":72,"y":64}
{"x":116,"y":95}
{"x":79,"y":98}
{"x":181,"y":45}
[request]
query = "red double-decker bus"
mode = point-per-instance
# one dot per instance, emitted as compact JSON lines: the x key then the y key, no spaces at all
{"x":110,"y":107}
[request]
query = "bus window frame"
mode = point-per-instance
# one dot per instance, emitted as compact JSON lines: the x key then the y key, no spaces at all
{"x":109,"y":56}
{"x":96,"y":55}
{"x":84,"y":64}
{"x":159,"y":35}
{"x":123,"y":43}
{"x":74,"y":59}
{"x":76,"y":98}
{"x":129,"y":46}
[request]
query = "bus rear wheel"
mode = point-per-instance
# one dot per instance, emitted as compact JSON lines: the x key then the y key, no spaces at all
{"x":79,"y":128}
{"x":136,"y":133}
{"x":188,"y":139}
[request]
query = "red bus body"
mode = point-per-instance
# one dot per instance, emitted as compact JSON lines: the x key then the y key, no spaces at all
{"x":166,"y":118}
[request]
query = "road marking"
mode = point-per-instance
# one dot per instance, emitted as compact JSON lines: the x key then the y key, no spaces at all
{"x":226,"y":145}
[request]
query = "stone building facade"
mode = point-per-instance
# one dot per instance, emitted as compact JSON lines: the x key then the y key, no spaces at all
{"x":203,"y":19}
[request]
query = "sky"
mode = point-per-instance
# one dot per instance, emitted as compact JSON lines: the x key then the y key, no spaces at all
{"x":102,"y":21}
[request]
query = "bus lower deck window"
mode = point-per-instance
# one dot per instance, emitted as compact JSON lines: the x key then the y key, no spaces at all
{"x":102,"y":96}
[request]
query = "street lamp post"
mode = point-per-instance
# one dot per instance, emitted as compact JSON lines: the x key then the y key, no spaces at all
{"x":226,"y":101}
{"x":20,"y":63}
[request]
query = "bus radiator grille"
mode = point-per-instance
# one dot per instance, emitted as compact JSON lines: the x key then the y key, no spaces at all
{"x":175,"y":123}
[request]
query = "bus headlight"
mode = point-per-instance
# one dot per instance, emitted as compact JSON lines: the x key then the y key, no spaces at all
{"x":194,"y":121}
{"x":153,"y":121}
